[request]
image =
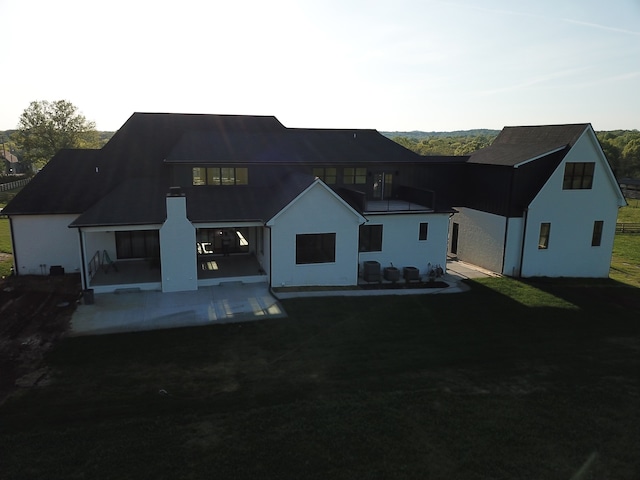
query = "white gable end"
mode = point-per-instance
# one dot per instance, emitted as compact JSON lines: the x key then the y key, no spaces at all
{"x":571,"y":215}
{"x":317,"y":211}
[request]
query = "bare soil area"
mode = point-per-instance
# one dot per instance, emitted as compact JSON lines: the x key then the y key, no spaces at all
{"x":35,"y":313}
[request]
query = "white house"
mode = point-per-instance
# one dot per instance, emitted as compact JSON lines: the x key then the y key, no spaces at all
{"x":540,"y":201}
{"x":174,"y":202}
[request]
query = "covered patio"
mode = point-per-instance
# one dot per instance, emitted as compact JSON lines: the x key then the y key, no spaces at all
{"x":147,"y":274}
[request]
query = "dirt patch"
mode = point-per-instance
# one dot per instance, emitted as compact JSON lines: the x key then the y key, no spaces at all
{"x":35,"y":313}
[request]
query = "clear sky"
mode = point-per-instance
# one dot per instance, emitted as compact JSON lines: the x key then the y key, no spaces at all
{"x":393,"y":65}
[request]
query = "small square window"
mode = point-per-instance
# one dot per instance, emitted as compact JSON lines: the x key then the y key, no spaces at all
{"x":370,"y":238}
{"x":354,"y":176}
{"x":578,"y":176}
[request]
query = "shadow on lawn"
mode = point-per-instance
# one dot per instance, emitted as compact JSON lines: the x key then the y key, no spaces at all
{"x":614,"y":297}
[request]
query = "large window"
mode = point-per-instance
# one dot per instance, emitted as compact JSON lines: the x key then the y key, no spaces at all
{"x":578,"y":176}
{"x":220,"y":176}
{"x":315,"y":248}
{"x":328,"y":175}
{"x":370,"y":238}
{"x":545,"y":230}
{"x":138,"y":244}
{"x":354,"y":176}
{"x":596,"y":238}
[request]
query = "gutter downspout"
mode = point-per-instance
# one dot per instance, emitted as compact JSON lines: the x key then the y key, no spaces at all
{"x":524,"y":236}
{"x":270,"y":262}
{"x":83,"y":259}
{"x":13,"y":246}
{"x":506,"y":223}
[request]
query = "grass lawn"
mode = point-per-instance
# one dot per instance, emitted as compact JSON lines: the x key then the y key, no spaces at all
{"x":509,"y":380}
{"x":6,"y":261}
{"x":625,"y":261}
{"x":5,"y":236}
{"x":630,"y":213}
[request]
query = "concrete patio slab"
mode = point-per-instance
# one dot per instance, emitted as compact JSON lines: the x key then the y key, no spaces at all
{"x":131,"y":310}
{"x":151,"y":310}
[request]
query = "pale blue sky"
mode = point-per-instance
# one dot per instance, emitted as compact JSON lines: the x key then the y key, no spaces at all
{"x":392,"y":65}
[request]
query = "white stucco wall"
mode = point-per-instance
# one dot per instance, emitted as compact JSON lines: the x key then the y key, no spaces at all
{"x":263,"y":252}
{"x":401,"y":245}
{"x":480,"y":238}
{"x":572,"y":214}
{"x":177,"y":249}
{"x":513,"y":248}
{"x":45,"y":240}
{"x":317,"y":210}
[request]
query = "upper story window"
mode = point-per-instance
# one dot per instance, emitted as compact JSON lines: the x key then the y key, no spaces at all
{"x":354,"y":176}
{"x":578,"y":176}
{"x":328,"y":175}
{"x":220,"y":176}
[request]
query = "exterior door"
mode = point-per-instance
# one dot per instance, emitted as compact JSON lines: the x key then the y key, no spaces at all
{"x":382,"y":185}
{"x":454,"y":238}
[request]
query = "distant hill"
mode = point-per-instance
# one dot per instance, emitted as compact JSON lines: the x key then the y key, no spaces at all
{"x":418,"y":135}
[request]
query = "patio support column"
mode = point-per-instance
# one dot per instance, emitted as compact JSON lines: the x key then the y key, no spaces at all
{"x":178,"y":246}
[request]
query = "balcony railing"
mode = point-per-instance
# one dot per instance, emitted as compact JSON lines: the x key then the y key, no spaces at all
{"x":404,"y":199}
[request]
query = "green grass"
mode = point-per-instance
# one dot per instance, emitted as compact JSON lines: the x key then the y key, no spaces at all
{"x":509,"y":380}
{"x":630,"y":213}
{"x":5,"y":247}
{"x":625,"y":260}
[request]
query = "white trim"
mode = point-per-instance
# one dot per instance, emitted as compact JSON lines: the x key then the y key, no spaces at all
{"x":537,"y":157}
{"x":227,"y":224}
{"x":317,"y":181}
{"x":120,"y":228}
{"x":622,"y":201}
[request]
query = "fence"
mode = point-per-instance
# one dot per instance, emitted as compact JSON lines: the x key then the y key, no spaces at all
{"x":627,"y":227}
{"x":11,"y":185}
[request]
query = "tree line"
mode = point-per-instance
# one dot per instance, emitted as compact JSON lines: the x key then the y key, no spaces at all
{"x":621,"y":147}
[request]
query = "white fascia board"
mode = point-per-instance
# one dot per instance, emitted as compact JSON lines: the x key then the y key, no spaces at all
{"x":230,"y":224}
{"x":622,"y":202}
{"x":320,"y":183}
{"x":120,"y":228}
{"x":540,"y":156}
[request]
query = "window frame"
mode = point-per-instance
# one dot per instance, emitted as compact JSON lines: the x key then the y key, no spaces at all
{"x":220,"y":176}
{"x":578,"y":175}
{"x":354,"y":175}
{"x":328,"y":175}
{"x":370,"y":238}
{"x":315,"y":248}
{"x":596,"y":236}
{"x":423,"y":232}
{"x":545,"y":234}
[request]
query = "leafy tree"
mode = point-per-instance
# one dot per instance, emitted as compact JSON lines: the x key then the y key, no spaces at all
{"x":46,"y":127}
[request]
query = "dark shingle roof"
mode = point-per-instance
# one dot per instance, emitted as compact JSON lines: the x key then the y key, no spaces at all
{"x":70,"y":183}
{"x":243,"y":202}
{"x":309,"y":146}
{"x":134,"y":202}
{"x":142,"y":201}
{"x":515,"y":145}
